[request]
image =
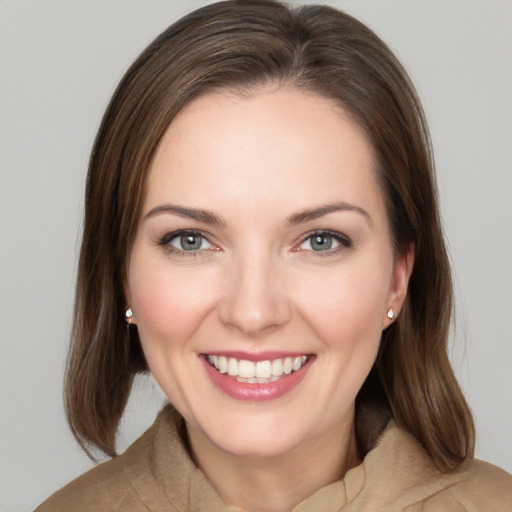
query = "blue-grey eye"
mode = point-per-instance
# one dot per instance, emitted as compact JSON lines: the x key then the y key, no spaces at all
{"x":321,"y":242}
{"x":324,"y":241}
{"x":190,"y":242}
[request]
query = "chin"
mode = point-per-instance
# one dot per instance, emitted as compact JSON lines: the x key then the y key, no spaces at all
{"x":251,"y":436}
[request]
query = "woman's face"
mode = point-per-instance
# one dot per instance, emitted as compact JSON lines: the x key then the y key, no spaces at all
{"x":262,"y":269}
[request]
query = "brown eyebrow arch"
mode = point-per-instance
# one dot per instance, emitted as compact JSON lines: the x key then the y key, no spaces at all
{"x":320,"y":211}
{"x":205,"y":216}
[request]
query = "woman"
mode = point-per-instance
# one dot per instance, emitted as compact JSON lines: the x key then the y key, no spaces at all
{"x":262,"y":235}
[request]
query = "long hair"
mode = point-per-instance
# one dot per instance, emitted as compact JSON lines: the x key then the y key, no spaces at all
{"x":242,"y":45}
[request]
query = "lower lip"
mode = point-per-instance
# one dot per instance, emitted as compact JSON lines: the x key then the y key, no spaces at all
{"x":256,"y":392}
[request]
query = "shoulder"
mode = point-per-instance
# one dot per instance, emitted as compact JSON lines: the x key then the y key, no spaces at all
{"x":105,"y":487}
{"x":110,"y":486}
{"x":401,"y":470}
{"x":480,"y":487}
{"x":476,"y":487}
{"x":155,"y":466}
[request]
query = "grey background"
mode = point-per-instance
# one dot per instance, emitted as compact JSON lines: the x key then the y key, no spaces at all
{"x":59,"y":63}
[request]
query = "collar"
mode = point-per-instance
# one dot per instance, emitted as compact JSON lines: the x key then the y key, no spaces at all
{"x":162,"y":473}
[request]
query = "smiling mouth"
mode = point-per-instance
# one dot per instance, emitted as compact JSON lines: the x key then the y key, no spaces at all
{"x":260,"y":372}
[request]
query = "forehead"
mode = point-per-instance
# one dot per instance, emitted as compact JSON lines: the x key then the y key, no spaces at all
{"x":280,"y":145}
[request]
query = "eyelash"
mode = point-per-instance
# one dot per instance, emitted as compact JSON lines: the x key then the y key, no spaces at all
{"x":165,"y":242}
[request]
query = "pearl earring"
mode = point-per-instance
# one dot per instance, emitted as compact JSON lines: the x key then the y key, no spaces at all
{"x":129,"y":313}
{"x":391,"y":313}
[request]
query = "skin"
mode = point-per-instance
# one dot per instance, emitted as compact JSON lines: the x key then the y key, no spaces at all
{"x":257,"y":284}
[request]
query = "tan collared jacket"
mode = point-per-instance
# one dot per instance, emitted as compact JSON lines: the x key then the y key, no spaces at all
{"x":156,"y":474}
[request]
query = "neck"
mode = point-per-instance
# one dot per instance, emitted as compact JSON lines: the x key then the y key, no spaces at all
{"x":275,"y":483}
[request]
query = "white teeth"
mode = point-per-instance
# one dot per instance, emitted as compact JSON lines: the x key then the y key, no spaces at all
{"x":246,"y":369}
{"x":297,"y":363}
{"x":250,"y":381}
{"x":223,"y":364}
{"x":232,"y":367}
{"x":261,"y":371}
{"x":277,"y":367}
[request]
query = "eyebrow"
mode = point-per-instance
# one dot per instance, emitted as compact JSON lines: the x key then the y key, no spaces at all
{"x":201,"y":215}
{"x":211,"y":218}
{"x":320,"y":211}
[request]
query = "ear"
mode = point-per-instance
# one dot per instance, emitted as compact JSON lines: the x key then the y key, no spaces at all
{"x":402,"y":270}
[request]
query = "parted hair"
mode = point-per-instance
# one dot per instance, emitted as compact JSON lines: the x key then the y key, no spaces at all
{"x":242,"y":45}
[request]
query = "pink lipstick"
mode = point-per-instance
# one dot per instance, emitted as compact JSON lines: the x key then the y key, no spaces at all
{"x":256,"y":377}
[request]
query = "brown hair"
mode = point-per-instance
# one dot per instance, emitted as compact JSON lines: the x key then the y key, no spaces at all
{"x":242,"y":45}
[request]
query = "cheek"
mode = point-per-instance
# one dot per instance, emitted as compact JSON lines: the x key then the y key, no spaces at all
{"x":168,"y":304}
{"x":345,"y":307}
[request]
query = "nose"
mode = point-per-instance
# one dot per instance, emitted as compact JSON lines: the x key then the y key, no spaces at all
{"x":254,"y":301}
